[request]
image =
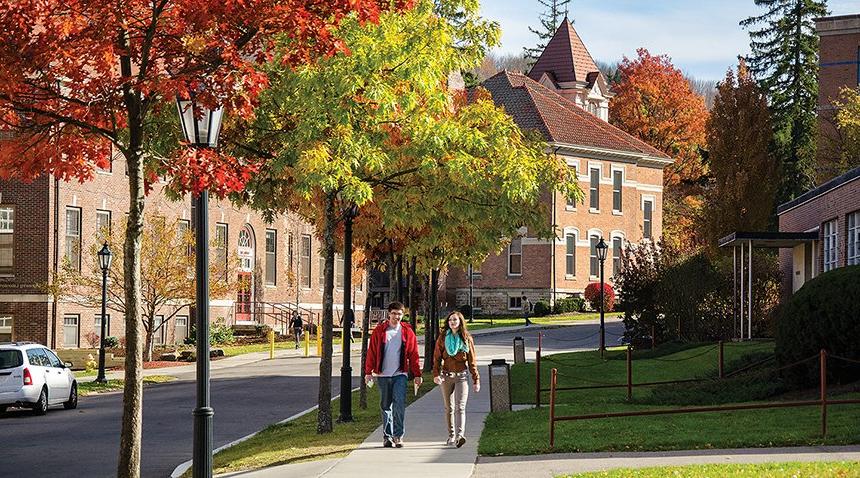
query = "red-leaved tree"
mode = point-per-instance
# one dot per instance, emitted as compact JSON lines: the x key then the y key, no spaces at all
{"x":80,"y":78}
{"x":592,"y":295}
{"x":655,"y":103}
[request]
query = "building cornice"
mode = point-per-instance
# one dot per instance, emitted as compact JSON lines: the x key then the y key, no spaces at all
{"x":639,"y":159}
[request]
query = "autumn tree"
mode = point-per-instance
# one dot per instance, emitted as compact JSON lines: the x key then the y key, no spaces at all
{"x":848,"y":126}
{"x":379,"y":128}
{"x":742,"y":169}
{"x":81,"y":77}
{"x":655,"y":103}
{"x":167,"y":279}
{"x":784,"y":59}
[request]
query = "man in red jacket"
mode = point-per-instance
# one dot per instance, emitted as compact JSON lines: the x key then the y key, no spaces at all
{"x":392,"y":356}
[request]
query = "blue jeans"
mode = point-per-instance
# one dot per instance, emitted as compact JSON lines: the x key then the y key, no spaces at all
{"x":392,"y":392}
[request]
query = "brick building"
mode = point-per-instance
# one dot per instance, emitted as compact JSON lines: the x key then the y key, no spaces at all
{"x":839,"y":67}
{"x":565,"y":98}
{"x":45,"y":221}
{"x":830,"y":213}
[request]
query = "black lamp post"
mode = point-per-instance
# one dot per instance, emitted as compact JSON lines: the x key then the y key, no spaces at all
{"x":601,"y":256}
{"x":105,"y":258}
{"x":348,"y":314}
{"x":200,"y":126}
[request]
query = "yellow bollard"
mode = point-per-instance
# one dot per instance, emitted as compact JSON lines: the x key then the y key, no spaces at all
{"x":319,"y":344}
{"x":307,"y":344}
{"x":271,"y":344}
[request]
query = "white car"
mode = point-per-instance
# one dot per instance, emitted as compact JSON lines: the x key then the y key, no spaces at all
{"x":32,"y":376}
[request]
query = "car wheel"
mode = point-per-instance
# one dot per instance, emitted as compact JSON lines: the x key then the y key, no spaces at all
{"x":72,"y":403}
{"x":41,"y":406}
{"x":3,"y":410}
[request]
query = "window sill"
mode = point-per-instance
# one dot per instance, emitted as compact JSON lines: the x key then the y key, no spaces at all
{"x":569,"y":277}
{"x":617,"y":213}
{"x":514,"y":275}
{"x":271,"y":286}
{"x":106,"y":173}
{"x":570,"y":209}
{"x":593,"y":211}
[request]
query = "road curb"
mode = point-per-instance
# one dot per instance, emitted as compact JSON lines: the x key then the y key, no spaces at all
{"x":183,"y":467}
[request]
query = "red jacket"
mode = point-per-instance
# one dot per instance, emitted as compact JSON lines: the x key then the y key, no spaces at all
{"x":408,"y":352}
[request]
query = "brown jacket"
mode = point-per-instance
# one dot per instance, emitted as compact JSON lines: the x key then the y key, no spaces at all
{"x":457,"y":363}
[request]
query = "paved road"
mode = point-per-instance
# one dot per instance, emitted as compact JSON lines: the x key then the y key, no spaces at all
{"x":246,"y":398}
{"x":85,"y":442}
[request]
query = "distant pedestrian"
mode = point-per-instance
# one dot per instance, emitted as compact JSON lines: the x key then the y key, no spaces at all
{"x":392,"y":358}
{"x":454,"y":361}
{"x":527,"y":308}
{"x":297,"y":326}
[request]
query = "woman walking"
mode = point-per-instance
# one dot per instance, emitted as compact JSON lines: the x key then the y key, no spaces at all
{"x":453,"y":362}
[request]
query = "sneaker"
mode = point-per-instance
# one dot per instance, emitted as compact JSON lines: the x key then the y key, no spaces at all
{"x":386,"y":442}
{"x":450,"y":441}
{"x":398,"y":442}
{"x":460,"y":442}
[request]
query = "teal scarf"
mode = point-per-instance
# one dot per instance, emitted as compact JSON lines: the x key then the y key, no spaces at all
{"x":454,"y":344}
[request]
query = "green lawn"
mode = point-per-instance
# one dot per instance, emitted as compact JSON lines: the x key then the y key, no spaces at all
{"x":526,"y":432}
{"x":298,"y":441}
{"x":481,"y":323}
{"x":88,"y":387}
{"x":842,"y":469}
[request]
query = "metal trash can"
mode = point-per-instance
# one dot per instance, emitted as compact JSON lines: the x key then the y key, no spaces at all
{"x":519,"y":350}
{"x":500,"y":386}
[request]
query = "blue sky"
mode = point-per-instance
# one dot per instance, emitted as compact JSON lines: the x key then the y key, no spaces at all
{"x":703,"y":38}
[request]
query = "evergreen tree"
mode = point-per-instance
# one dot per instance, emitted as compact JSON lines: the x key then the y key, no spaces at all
{"x":784,"y":59}
{"x":556,"y":11}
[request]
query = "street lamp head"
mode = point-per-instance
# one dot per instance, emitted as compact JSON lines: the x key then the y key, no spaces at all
{"x":602,"y":248}
{"x":105,"y":257}
{"x":200,"y":125}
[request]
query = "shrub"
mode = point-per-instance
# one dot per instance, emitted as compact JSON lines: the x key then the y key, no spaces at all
{"x":592,"y":295}
{"x":466,"y":310}
{"x":219,"y":334}
{"x":92,"y":338}
{"x":111,"y":342}
{"x":821,"y":315}
{"x":569,"y":304}
{"x":541,"y":308}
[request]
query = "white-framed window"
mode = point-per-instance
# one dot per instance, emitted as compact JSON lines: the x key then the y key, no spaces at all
{"x":594,"y":189}
{"x":71,"y":327}
{"x":73,"y":237}
{"x":617,"y":244}
{"x":221,"y":241}
{"x":647,"y":217}
{"x":271,"y":257}
{"x":617,"y":182}
{"x":180,"y":330}
{"x":515,"y":302}
{"x":291,"y":255}
{"x":7,"y":242}
{"x":245,"y":249}
{"x":103,"y":223}
{"x":571,"y":203}
{"x":853,"y":251}
{"x":6,"y":328}
{"x":305,"y":262}
{"x":594,"y":262}
{"x":183,"y":229}
{"x":570,"y":254}
{"x":97,"y":323}
{"x":831,"y":245}
{"x":322,"y":269}
{"x":478,"y":305}
{"x":158,"y":326}
{"x":476,"y":271}
{"x":515,"y":257}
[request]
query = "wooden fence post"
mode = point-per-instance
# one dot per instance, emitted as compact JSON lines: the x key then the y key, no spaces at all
{"x":823,"y":371}
{"x":552,"y":384}
{"x":629,"y":373}
{"x":720,"y":365}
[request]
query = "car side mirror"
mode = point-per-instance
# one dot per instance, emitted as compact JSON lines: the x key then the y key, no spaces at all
{"x":67,"y":365}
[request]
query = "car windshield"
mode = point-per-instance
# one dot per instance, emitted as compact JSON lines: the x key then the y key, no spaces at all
{"x":11,"y":359}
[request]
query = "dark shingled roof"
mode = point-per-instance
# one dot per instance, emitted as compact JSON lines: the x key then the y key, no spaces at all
{"x":565,"y":57}
{"x":536,"y":107}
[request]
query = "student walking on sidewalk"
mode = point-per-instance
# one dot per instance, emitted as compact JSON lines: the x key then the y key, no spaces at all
{"x":453,"y":361}
{"x":392,"y":356}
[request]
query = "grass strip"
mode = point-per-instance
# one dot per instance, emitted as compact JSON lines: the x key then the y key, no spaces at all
{"x":298,"y":441}
{"x":840,"y":469}
{"x":233,"y":350}
{"x":526,"y":432}
{"x":89,"y":387}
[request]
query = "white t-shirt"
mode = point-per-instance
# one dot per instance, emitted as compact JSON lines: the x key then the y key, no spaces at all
{"x":393,"y":344}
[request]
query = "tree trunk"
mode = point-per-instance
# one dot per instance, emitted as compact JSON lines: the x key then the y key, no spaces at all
{"x":430,"y":324}
{"x":365,"y":337}
{"x":147,"y":356}
{"x":324,"y":414}
{"x":390,"y":266}
{"x":411,"y":296}
{"x":400,"y":278}
{"x":132,"y":395}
